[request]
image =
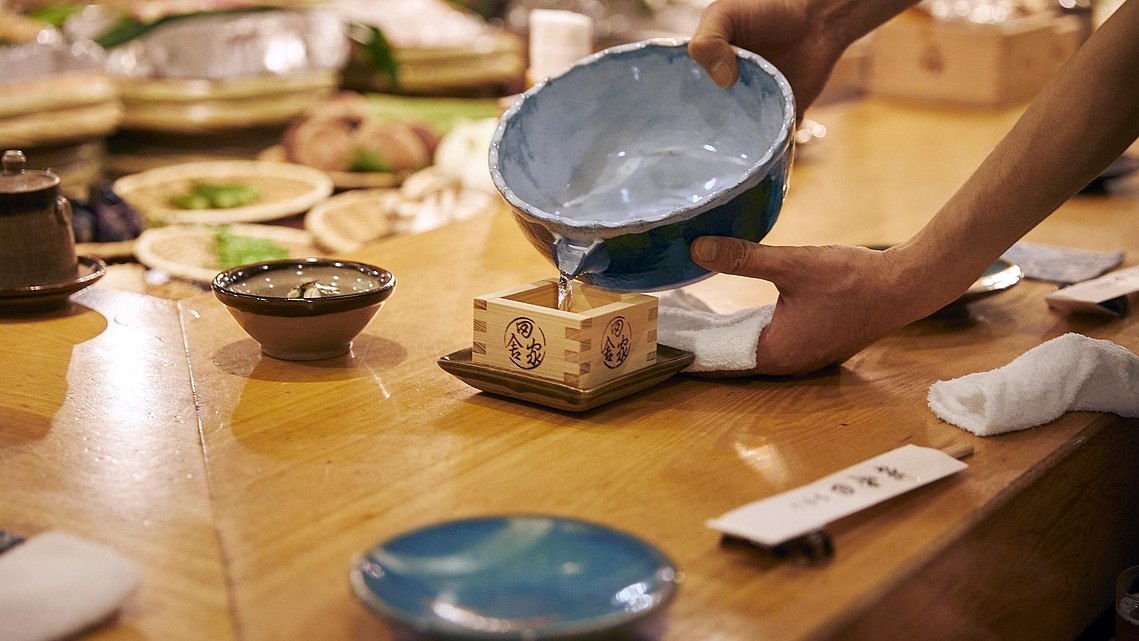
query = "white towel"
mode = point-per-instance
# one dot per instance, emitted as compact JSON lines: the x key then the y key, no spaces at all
{"x":56,"y":584}
{"x":721,"y":342}
{"x":1068,"y":373}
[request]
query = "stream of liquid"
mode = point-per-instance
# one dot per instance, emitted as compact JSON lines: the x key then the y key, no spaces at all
{"x":615,"y":186}
{"x":571,"y":261}
{"x":565,"y":292}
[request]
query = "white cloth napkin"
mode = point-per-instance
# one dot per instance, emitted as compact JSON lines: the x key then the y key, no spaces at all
{"x":56,"y":584}
{"x":721,"y":342}
{"x":1068,"y":373}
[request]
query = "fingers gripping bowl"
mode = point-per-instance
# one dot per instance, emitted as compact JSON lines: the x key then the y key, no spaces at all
{"x":304,"y":309}
{"x":614,"y":167}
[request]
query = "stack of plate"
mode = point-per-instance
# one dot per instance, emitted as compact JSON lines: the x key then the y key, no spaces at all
{"x":438,"y":50}
{"x":492,"y":65}
{"x":219,"y":85}
{"x":193,"y":106}
{"x":58,"y":107}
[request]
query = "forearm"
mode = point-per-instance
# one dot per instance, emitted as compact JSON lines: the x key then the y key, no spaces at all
{"x":1081,"y":121}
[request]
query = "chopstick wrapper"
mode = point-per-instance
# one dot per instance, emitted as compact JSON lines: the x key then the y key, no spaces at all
{"x":1068,"y":373}
{"x":56,"y":584}
{"x":1106,"y":295}
{"x":777,"y":519}
{"x":721,"y":342}
{"x":1061,"y":264}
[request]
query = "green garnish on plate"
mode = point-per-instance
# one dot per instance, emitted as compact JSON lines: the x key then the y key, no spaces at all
{"x":366,"y":160}
{"x":56,"y":14}
{"x":234,"y":249}
{"x":216,"y":196}
{"x":440,"y":113}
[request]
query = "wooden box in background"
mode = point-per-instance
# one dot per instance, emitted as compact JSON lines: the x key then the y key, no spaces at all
{"x":917,"y":57}
{"x":604,"y":335}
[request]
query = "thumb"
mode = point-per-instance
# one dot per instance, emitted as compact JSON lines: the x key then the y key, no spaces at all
{"x":710,"y":49}
{"x":740,"y":257}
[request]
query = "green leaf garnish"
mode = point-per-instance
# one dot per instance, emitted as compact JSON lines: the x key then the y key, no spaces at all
{"x":233,"y":249}
{"x":216,"y":196}
{"x":127,"y":28}
{"x":367,"y":160}
{"x":56,"y":14}
{"x":378,"y":51}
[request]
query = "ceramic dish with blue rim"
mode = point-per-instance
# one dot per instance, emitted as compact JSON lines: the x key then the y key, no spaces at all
{"x":514,"y":577}
{"x":613,"y":167}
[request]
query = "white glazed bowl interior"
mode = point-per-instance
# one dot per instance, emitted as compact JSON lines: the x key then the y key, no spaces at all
{"x":638,"y":134}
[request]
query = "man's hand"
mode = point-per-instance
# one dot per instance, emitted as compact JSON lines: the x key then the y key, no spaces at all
{"x":833,"y":300}
{"x":785,"y":32}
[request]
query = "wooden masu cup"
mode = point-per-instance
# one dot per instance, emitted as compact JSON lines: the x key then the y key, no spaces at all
{"x":605,"y":335}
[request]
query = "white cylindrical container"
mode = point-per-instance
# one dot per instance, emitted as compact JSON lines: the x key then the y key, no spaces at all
{"x":557,"y":40}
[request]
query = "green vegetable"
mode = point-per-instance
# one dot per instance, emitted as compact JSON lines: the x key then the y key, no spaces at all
{"x":56,"y":14}
{"x":234,"y":249}
{"x":366,"y":160}
{"x":312,"y":289}
{"x":440,"y":114}
{"x":127,"y":29}
{"x":216,"y":196}
{"x":376,"y":48}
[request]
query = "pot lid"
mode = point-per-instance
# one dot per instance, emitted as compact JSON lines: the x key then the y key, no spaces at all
{"x":15,"y":179}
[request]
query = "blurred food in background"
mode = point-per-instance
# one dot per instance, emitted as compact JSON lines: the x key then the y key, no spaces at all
{"x":428,"y":47}
{"x":59,"y":104}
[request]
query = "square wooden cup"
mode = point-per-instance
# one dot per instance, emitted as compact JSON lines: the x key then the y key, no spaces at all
{"x":603,"y":336}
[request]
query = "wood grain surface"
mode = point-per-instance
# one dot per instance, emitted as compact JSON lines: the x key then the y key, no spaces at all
{"x":309,"y":464}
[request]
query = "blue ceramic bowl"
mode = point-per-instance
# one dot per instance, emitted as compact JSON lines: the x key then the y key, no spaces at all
{"x":614,"y":167}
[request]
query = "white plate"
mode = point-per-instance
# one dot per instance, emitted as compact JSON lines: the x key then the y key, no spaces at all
{"x":285,"y":189}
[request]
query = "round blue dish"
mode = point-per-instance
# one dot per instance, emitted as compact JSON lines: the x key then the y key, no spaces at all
{"x":613,"y":167}
{"x":525,"y":577}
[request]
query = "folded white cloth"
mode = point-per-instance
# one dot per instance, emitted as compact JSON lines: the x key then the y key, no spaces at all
{"x":57,"y":584}
{"x":721,"y":342}
{"x":1068,"y":373}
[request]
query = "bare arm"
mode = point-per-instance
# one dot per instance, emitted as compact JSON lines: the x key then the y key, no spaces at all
{"x":1079,"y":123}
{"x":833,"y":301}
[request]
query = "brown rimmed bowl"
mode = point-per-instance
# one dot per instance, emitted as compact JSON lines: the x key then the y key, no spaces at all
{"x":304,"y":329}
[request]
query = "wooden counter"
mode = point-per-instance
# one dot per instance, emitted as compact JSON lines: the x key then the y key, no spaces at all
{"x":99,"y":437}
{"x":308,"y":464}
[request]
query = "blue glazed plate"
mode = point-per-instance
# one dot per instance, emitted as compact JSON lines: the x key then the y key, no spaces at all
{"x":514,"y":577}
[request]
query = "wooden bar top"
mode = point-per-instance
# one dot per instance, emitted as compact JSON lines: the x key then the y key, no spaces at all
{"x":247,"y":518}
{"x":99,"y":438}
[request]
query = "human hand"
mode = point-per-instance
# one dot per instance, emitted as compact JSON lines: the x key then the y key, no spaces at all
{"x":788,"y":33}
{"x":833,"y":300}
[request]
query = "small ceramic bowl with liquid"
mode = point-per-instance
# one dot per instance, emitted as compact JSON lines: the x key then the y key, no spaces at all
{"x":613,"y":167}
{"x":304,"y":309}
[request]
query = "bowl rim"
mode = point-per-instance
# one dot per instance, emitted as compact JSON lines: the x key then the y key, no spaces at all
{"x":281,"y":306}
{"x":759,"y":170}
